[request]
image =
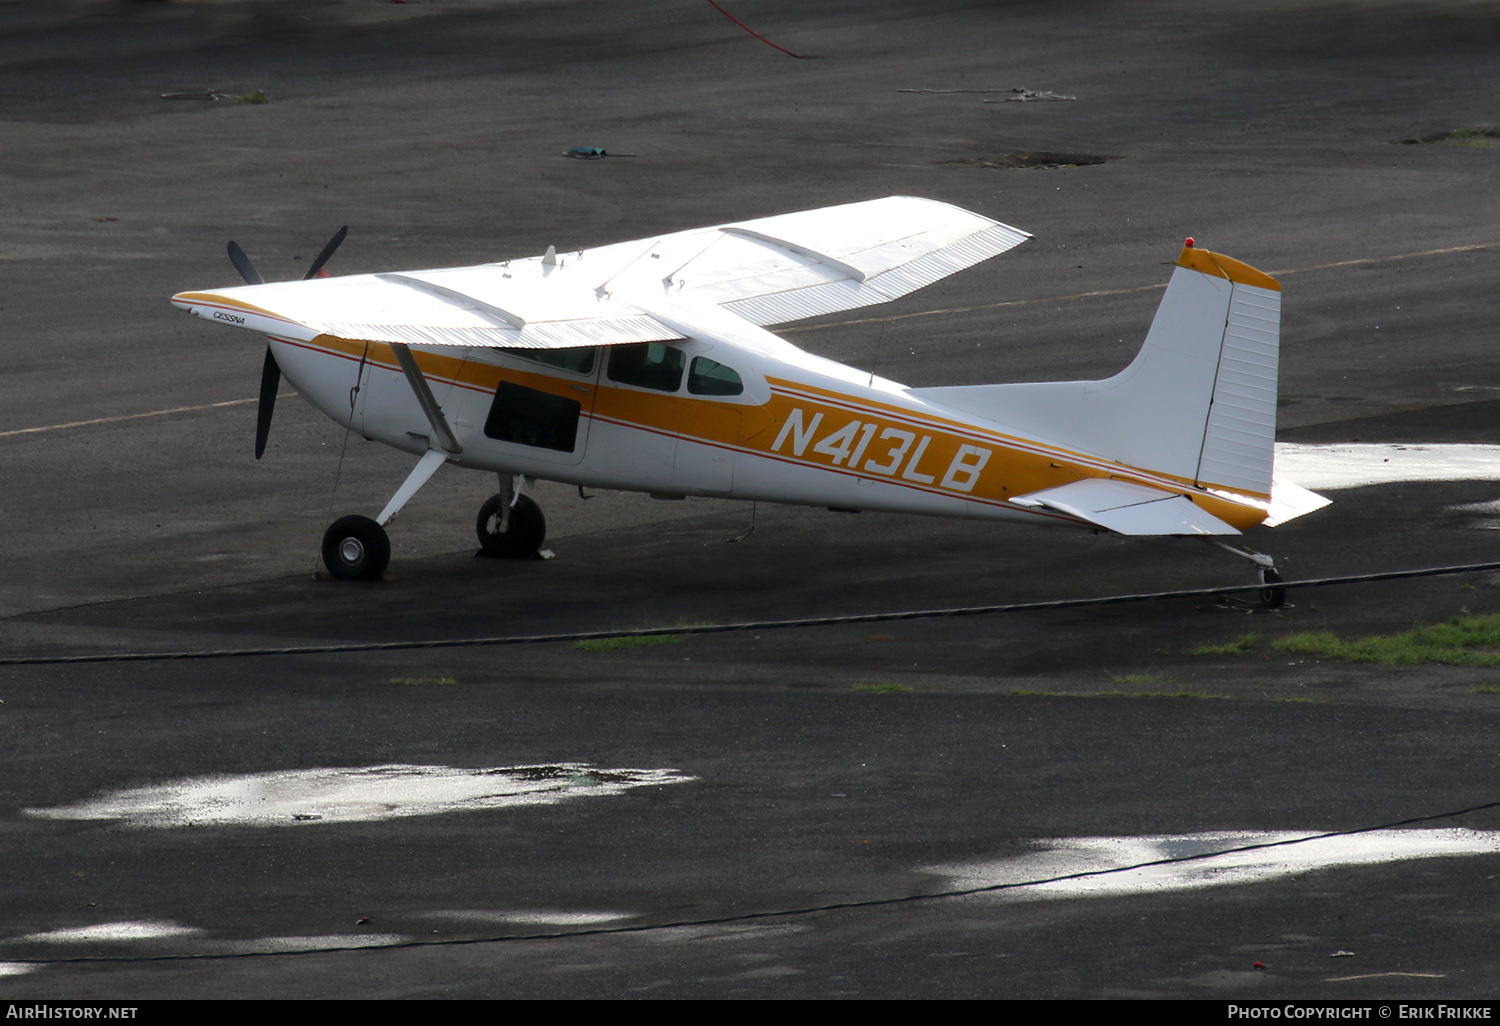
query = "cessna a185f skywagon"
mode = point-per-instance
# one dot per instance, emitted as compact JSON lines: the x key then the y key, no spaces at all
{"x":647,"y":366}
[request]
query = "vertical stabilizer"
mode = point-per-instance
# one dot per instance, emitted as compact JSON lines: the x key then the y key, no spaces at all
{"x":1197,"y":403}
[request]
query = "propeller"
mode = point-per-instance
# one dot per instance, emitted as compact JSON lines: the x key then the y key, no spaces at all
{"x":270,"y":373}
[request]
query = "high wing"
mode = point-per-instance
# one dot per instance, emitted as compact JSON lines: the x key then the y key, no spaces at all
{"x":766,"y":271}
{"x":526,"y":305}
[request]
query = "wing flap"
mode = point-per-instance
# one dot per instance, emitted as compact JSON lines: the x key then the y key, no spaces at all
{"x":1128,"y":508}
{"x":868,"y":253}
{"x":784,"y":268}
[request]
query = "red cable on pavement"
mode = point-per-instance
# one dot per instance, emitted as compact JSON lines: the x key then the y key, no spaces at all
{"x":754,"y":33}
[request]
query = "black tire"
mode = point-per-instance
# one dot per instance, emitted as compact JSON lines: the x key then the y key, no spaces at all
{"x":356,"y":548}
{"x":527,"y":531}
{"x":1271,"y":597}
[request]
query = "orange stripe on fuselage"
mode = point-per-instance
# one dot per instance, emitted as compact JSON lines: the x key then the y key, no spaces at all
{"x":1020,"y":466}
{"x":810,"y":425}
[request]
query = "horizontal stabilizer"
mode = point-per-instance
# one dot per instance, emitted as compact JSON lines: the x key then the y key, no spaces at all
{"x":1127,"y":508}
{"x":1290,"y":501}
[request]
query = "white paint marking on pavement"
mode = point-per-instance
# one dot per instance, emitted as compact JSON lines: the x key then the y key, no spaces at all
{"x":316,"y":942}
{"x":1357,"y":464}
{"x":135,"y":930}
{"x":1066,"y":856}
{"x":530,"y":918}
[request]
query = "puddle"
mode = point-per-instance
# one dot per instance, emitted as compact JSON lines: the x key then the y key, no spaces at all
{"x":15,"y":968}
{"x":1029,"y":159}
{"x":1090,"y":854}
{"x":1355,"y":464}
{"x":531,"y":918}
{"x":354,"y":795}
{"x":114,"y":932}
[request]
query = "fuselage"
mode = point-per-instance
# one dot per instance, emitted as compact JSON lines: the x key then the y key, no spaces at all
{"x":703,"y":417}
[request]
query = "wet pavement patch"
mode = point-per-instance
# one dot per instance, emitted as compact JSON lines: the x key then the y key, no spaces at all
{"x":1110,"y":859}
{"x":353,"y":794}
{"x":1023,"y":159}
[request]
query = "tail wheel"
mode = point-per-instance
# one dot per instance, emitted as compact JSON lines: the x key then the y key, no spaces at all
{"x":1270,"y":596}
{"x":523,"y":535}
{"x":356,"y":548}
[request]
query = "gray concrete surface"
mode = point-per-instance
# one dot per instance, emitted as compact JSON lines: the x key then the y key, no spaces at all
{"x":829,"y":765}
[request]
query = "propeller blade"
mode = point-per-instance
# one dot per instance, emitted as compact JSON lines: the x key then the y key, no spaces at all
{"x":243,"y":265}
{"x":270,"y":382}
{"x":333,"y":244}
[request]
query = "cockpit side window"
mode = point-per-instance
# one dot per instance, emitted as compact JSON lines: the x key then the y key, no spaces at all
{"x":710,"y":378}
{"x":647,"y":365}
{"x":579,"y":361}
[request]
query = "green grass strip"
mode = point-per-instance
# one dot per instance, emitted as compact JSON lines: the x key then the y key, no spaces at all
{"x":1462,"y":641}
{"x":1243,"y":643}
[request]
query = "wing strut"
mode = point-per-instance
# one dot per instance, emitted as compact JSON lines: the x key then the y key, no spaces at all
{"x":443,"y":443}
{"x":443,"y":434}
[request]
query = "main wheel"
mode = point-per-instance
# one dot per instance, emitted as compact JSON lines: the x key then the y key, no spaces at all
{"x":356,"y":548}
{"x":1271,"y":597}
{"x":522,"y":537}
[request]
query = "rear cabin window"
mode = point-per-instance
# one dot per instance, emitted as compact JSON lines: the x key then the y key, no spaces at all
{"x":710,"y":378}
{"x":647,"y":365}
{"x":579,"y":361}
{"x":528,"y":416}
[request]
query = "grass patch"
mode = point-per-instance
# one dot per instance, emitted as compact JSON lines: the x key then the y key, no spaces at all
{"x":424,"y":681}
{"x":254,"y":96}
{"x":1486,"y":689}
{"x":1116,"y":694}
{"x":1141,"y":678}
{"x":1475,"y":137}
{"x":1243,"y":643}
{"x":885,"y":687}
{"x":1305,"y":701}
{"x":1462,"y":641}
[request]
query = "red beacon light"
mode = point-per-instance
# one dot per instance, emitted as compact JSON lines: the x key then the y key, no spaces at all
{"x":1189,"y":242}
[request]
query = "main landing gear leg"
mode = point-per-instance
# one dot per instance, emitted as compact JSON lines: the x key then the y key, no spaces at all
{"x":510,"y":524}
{"x":1271,"y":595}
{"x":357,"y":548}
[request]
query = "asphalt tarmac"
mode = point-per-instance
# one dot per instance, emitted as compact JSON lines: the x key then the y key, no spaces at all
{"x":397,"y":824}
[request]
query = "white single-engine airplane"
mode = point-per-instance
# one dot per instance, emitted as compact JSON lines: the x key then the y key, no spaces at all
{"x":647,"y":366}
